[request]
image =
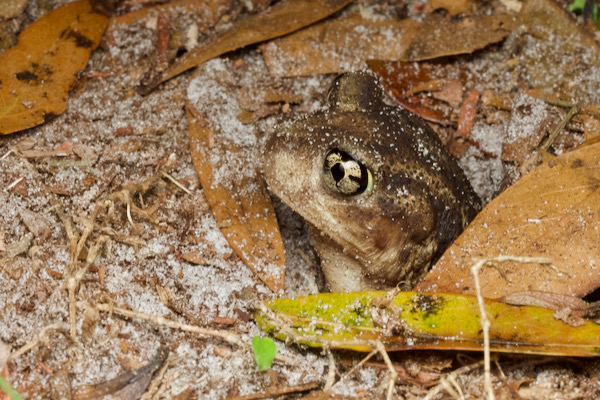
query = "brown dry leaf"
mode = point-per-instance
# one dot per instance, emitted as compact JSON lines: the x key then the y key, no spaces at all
{"x":37,"y":223}
{"x":501,"y":101}
{"x":553,"y":212}
{"x":210,"y":11}
{"x":224,"y":156}
{"x":128,"y":386}
{"x":521,"y":148}
{"x":60,"y":385}
{"x":334,"y":46}
{"x":468,"y":113}
{"x":247,"y":221}
{"x":38,"y":72}
{"x":563,"y":59}
{"x":400,"y":79}
{"x":284,"y":17}
{"x":195,"y":257}
{"x":437,"y":37}
{"x":451,"y":93}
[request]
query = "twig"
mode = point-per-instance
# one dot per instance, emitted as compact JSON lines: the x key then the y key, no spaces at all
{"x":455,"y":385}
{"x":278,"y":391}
{"x":12,"y":185}
{"x":8,"y":153}
{"x":176,"y":183}
{"x":393,"y":375}
{"x":40,"y":337}
{"x":329,"y":383}
{"x":537,"y":156}
{"x":156,"y":384}
{"x":225,"y":335}
{"x":433,"y":392}
{"x":74,"y":279}
{"x":128,"y":207}
{"x":361,"y":363}
{"x":485,"y":322}
{"x":485,"y":325}
{"x":74,"y":275}
{"x":448,"y":383}
{"x":68,"y":224}
{"x":554,"y":134}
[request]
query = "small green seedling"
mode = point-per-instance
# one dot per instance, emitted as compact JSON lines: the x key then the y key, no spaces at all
{"x":264,"y":352}
{"x":6,"y":388}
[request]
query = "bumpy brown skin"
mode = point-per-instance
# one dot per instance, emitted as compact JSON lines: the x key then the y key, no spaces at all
{"x":419,"y":204}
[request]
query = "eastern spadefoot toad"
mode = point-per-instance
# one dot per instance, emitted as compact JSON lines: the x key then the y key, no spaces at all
{"x":383,"y":195}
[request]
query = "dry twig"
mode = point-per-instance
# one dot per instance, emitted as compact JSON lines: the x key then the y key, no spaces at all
{"x":279,"y":391}
{"x":161,"y":321}
{"x":41,"y":337}
{"x":485,"y":322}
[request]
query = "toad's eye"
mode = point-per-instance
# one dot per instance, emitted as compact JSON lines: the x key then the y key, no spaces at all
{"x":346,"y":175}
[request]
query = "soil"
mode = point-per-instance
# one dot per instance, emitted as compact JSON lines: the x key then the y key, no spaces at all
{"x":108,"y":155}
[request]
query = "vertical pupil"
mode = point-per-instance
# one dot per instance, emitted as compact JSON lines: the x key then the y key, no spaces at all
{"x":338,"y":172}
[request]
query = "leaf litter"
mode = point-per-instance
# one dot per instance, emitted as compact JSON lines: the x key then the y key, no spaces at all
{"x":39,"y":71}
{"x":32,"y":295}
{"x":154,"y":278}
{"x":235,"y":189}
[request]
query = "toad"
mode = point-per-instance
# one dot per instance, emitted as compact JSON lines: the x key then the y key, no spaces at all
{"x":382,"y":195}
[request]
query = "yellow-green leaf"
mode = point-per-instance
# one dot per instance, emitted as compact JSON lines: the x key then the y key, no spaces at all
{"x":38,"y":72}
{"x":413,"y":321}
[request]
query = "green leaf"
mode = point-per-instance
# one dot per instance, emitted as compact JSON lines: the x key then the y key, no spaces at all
{"x":577,"y":5}
{"x":414,"y":320}
{"x":264,"y":352}
{"x":596,"y":16}
{"x":12,"y":393}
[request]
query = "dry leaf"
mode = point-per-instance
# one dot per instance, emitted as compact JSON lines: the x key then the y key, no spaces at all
{"x":284,"y":17}
{"x":37,"y":223}
{"x":38,"y":72}
{"x":403,"y":321}
{"x":437,"y":37}
{"x":564,"y":59}
{"x":400,"y":79}
{"x":468,"y":113}
{"x":334,"y":46}
{"x":60,"y":385}
{"x":130,"y":385}
{"x":451,"y":93}
{"x":225,"y":157}
{"x":502,"y":101}
{"x":210,"y":11}
{"x":553,"y":212}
